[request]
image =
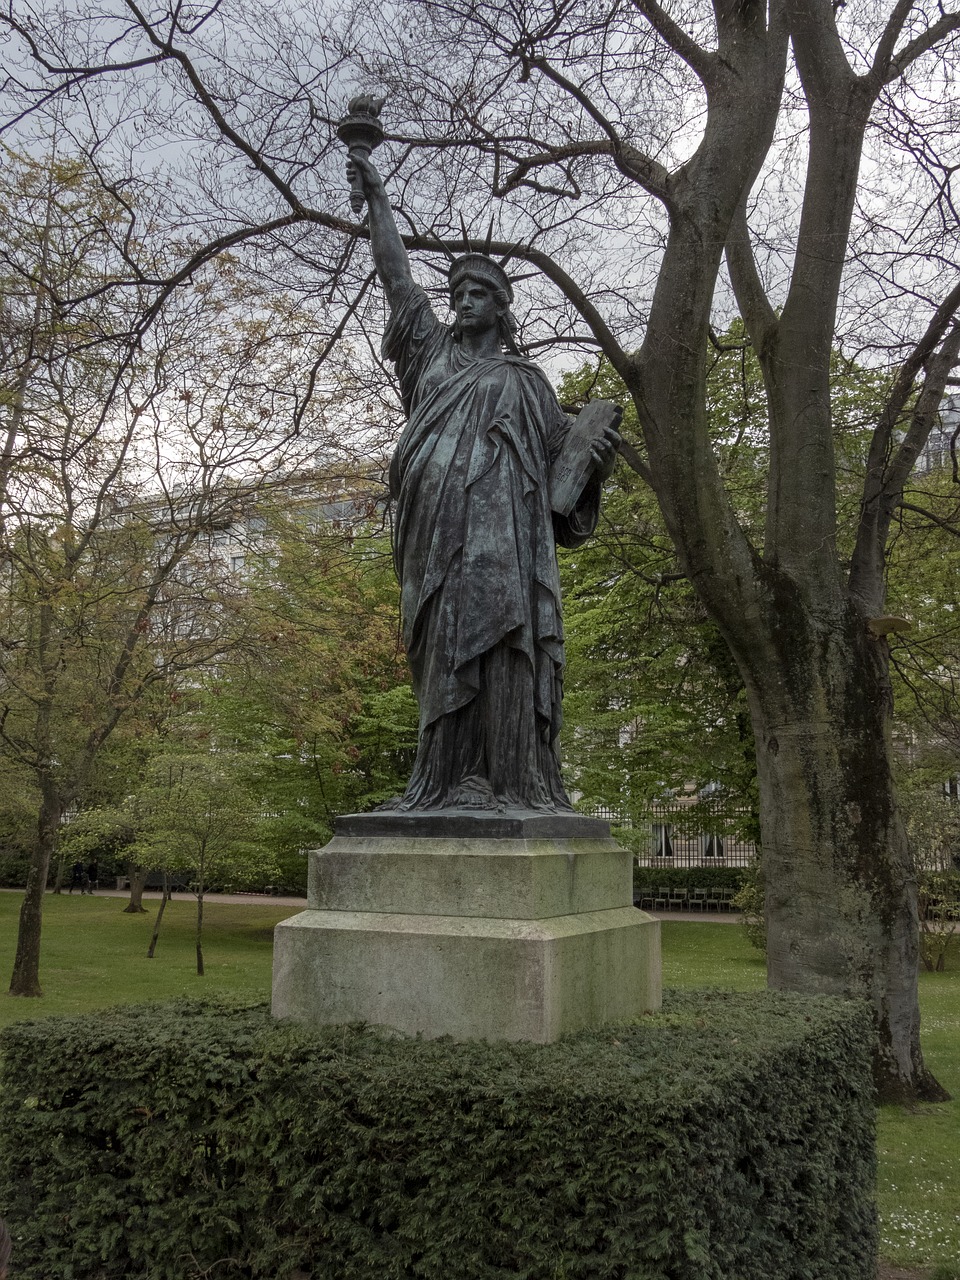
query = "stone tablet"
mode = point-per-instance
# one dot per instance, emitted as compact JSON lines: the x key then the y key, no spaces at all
{"x":572,"y":469}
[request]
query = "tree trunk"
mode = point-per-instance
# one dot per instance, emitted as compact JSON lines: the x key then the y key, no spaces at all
{"x":138,"y":881}
{"x":58,"y":878}
{"x":841,"y":891}
{"x":25,"y":980}
{"x":200,"y":929}
{"x":164,"y":899}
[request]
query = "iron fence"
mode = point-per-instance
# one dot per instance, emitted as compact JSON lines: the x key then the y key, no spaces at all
{"x":696,"y":834}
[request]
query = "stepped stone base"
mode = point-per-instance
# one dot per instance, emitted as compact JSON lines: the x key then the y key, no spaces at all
{"x":516,"y":927}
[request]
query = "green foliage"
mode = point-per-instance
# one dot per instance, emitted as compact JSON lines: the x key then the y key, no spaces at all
{"x":197,"y":813}
{"x":106,"y":835}
{"x":18,"y":822}
{"x":731,"y":1136}
{"x":14,"y":865}
{"x":749,"y":901}
{"x":932,"y":817}
{"x":924,"y":589}
{"x":319,"y":698}
{"x":933,"y":824}
{"x":652,"y":699}
{"x":938,"y":905}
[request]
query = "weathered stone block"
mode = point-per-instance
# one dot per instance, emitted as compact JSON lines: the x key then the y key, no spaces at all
{"x":522,"y":937}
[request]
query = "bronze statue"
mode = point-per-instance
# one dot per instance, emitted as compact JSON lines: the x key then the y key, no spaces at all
{"x":475,"y":536}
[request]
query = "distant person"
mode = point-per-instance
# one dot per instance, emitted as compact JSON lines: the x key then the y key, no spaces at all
{"x":6,"y":1249}
{"x":93,"y":877}
{"x":77,"y":872}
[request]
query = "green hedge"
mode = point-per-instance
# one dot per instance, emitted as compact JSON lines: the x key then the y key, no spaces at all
{"x":645,"y":878}
{"x":730,"y":1136}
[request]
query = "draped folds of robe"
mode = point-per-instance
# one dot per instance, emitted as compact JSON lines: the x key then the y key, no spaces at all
{"x":474,"y":544}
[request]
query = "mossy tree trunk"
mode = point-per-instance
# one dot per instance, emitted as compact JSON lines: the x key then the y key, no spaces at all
{"x":841,"y":893}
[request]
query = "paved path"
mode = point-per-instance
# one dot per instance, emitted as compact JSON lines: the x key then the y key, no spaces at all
{"x":178,"y":896}
{"x":723,"y":917}
{"x":695,"y":917}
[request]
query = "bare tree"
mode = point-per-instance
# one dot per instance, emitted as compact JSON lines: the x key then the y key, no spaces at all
{"x":659,"y":167}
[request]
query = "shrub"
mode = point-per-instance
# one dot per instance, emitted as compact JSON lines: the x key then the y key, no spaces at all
{"x":14,"y":867}
{"x":729,"y":1137}
{"x":749,"y":901}
{"x":938,"y":906}
{"x":646,"y":879}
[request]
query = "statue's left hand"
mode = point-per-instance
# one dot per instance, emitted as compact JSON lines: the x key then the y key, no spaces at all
{"x":604,"y":451}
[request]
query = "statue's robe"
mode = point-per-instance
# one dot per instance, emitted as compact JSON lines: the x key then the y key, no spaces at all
{"x":474,"y":543}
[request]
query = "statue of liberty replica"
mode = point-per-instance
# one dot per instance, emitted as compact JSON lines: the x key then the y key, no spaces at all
{"x":478,"y":905}
{"x":475,"y":535}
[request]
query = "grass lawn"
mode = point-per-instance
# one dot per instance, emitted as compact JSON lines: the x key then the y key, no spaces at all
{"x":94,"y":955}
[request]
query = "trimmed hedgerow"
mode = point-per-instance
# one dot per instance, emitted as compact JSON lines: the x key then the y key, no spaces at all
{"x":729,"y":1136}
{"x":649,"y":879}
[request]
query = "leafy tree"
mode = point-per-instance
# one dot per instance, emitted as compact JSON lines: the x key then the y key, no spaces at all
{"x":198,"y":813}
{"x":109,"y":587}
{"x":320,"y":691}
{"x":18,"y":807}
{"x":653,"y":699}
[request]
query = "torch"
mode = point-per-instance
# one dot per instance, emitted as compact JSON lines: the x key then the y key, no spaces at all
{"x":360,"y":130}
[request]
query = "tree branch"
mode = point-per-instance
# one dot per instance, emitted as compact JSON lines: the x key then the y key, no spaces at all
{"x":888,"y":40}
{"x":608,"y":344}
{"x":906,"y":377}
{"x":758,"y":315}
{"x":886,"y":476}
{"x":922,"y":44}
{"x":206,"y":99}
{"x":697,"y":59}
{"x":633,"y":460}
{"x":634,"y":164}
{"x":947,"y":526}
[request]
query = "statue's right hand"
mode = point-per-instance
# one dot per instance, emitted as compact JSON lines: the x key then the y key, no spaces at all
{"x":359,"y":165}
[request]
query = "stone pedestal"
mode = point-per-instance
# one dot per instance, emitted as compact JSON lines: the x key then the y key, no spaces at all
{"x":500,"y":926}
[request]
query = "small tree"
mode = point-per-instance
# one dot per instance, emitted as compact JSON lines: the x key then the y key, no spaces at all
{"x":201,"y":816}
{"x":933,"y":823}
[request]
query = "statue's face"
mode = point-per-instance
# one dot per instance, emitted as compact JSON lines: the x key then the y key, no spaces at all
{"x":476,"y":307}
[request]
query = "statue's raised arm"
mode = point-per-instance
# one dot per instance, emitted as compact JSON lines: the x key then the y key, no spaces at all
{"x":389,"y":255}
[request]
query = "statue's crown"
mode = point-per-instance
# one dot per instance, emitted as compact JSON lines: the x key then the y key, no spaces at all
{"x":477,"y":266}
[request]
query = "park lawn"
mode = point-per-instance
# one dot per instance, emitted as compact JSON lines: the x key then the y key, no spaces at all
{"x":94,"y":956}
